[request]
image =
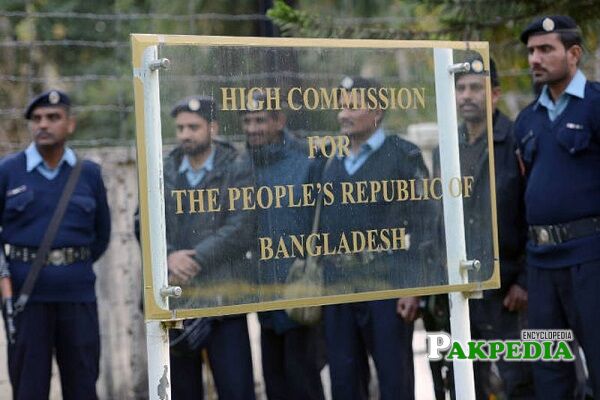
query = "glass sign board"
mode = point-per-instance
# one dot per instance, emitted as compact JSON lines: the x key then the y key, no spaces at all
{"x":258,"y":157}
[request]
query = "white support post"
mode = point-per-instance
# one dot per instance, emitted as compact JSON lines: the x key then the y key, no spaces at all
{"x":453,"y":218}
{"x":157,"y":338}
{"x":159,"y":368}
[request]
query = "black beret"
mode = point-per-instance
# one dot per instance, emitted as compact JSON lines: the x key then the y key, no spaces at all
{"x":476,"y":63}
{"x":358,"y":82}
{"x":549,"y":24}
{"x":47,"y":99}
{"x":204,"y":106}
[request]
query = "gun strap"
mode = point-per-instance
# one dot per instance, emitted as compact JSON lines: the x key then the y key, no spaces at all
{"x":44,"y":249}
{"x":319,"y":204}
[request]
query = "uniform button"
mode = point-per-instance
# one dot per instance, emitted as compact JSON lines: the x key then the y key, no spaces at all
{"x":471,"y":221}
{"x":572,"y":151}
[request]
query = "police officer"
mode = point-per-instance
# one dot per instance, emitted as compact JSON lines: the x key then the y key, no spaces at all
{"x":61,"y":316}
{"x":382,"y":329}
{"x":558,"y":135}
{"x":210,"y":249}
{"x":500,"y":313}
{"x":290,"y":352}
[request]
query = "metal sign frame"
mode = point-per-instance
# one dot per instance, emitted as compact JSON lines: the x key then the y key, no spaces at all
{"x":146,"y":66}
{"x":149,"y":145}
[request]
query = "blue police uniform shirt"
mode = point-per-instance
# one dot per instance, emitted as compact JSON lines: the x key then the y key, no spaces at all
{"x":562,"y":158}
{"x":575,"y":88}
{"x":195,"y":176}
{"x":27,"y":201}
{"x":35,"y":161}
{"x":353,"y":162}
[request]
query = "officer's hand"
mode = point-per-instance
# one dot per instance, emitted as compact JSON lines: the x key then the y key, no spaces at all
{"x":408,"y":308}
{"x":516,"y":298}
{"x":182,"y":266}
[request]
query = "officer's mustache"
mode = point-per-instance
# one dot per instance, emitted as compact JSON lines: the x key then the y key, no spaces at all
{"x":42,"y":132}
{"x":467,"y":103}
{"x":193,"y":148}
{"x":537,"y":68}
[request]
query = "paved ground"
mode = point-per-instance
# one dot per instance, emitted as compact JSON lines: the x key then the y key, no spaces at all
{"x":423,"y":386}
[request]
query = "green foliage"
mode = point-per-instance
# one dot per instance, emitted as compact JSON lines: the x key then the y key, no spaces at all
{"x":427,"y":19}
{"x":498,"y":22}
{"x":300,"y":23}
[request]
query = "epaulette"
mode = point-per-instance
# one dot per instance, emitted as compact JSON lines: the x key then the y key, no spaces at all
{"x":8,"y":159}
{"x":595,"y":86}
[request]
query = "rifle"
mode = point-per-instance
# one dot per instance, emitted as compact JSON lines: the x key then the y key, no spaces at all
{"x":7,"y":300}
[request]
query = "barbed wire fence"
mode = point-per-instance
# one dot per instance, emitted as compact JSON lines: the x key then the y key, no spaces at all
{"x":89,"y":56}
{"x":95,"y":69}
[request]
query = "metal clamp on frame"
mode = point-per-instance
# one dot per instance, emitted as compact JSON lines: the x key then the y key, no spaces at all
{"x":170,"y":291}
{"x":163,"y":63}
{"x":470,"y":265}
{"x":460,"y":67}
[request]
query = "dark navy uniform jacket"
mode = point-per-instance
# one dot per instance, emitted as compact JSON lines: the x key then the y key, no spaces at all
{"x":222,"y":240}
{"x":395,"y":159}
{"x":562,"y":159}
{"x":285,"y":163}
{"x":512,"y":230}
{"x":27,"y":203}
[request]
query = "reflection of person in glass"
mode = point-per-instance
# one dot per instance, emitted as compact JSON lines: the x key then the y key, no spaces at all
{"x":207,"y":247}
{"x":383,"y":328}
{"x":290,"y":359}
{"x":499,"y":314}
{"x":559,"y":141}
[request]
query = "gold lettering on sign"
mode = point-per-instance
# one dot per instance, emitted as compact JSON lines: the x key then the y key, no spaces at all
{"x":320,"y":244}
{"x":247,"y":198}
{"x":198,"y":200}
{"x":323,"y":98}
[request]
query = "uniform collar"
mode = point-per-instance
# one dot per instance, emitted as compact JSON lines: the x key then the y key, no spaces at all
{"x":374,"y":142}
{"x":34,"y":158}
{"x":353,"y":162}
{"x":576,"y":88}
{"x":207,"y":166}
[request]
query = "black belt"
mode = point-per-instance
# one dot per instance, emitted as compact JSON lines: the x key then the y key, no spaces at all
{"x":61,"y":256}
{"x":560,"y":233}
